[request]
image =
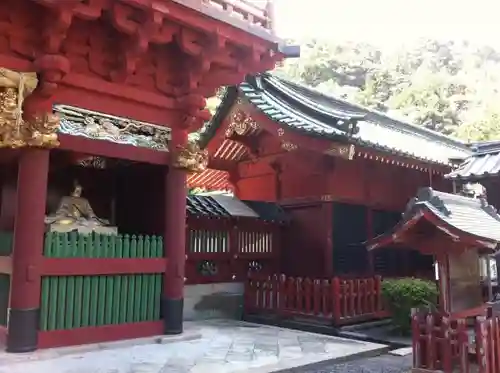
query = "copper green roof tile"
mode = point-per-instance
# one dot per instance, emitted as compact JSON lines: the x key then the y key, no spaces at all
{"x":299,"y":108}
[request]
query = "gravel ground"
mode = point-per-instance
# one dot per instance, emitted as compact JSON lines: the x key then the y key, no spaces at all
{"x":380,"y":364}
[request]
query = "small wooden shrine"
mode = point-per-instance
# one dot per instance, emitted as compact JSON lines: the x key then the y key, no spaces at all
{"x":457,"y":230}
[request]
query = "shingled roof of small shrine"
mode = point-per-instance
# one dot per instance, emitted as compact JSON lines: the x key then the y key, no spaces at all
{"x":483,"y":163}
{"x":470,"y":216}
{"x":232,"y":207}
{"x":312,"y":113}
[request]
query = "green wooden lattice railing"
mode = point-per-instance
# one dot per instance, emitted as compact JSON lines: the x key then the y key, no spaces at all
{"x":74,"y":245}
{"x":5,"y":250}
{"x":82,"y":301}
{"x":6,"y":243}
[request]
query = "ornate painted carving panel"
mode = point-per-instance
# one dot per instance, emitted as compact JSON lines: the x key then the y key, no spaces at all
{"x":99,"y":126}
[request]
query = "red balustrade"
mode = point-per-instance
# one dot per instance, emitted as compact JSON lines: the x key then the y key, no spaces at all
{"x":449,"y":345}
{"x":246,"y":10}
{"x":338,"y":300}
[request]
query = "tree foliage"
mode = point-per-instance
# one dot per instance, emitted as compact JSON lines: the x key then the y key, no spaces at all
{"x":451,"y":87}
{"x":401,"y":295}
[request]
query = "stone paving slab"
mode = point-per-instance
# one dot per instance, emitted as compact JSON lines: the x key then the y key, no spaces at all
{"x":54,"y":353}
{"x":380,"y":364}
{"x":405,"y":351}
{"x":225,"y":346}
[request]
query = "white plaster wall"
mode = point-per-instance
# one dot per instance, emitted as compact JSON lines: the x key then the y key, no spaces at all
{"x":207,"y":301}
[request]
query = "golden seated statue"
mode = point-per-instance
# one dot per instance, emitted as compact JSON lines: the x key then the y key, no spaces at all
{"x":75,"y":213}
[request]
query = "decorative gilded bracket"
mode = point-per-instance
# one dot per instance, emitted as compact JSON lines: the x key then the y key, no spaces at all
{"x":345,"y":151}
{"x":191,"y":158}
{"x":15,"y":132}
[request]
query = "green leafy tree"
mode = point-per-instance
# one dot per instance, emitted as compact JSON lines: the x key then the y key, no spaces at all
{"x":446,"y":86}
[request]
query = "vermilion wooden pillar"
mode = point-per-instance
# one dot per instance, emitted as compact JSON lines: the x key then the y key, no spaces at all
{"x":175,"y":241}
{"x":327,"y":210}
{"x":27,"y":250}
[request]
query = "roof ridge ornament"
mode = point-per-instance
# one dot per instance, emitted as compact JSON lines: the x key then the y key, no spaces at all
{"x":427,"y":195}
{"x":473,"y":190}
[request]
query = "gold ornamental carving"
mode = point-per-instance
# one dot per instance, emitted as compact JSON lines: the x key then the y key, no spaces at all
{"x":15,"y":132}
{"x":288,"y":146}
{"x":345,"y":151}
{"x":240,"y":122}
{"x":191,"y":158}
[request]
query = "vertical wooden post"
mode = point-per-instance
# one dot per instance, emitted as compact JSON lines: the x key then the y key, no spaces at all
{"x":463,"y":345}
{"x":28,"y":250}
{"x":416,"y":343}
{"x":336,"y":299}
{"x":276,"y":242}
{"x":370,"y":233}
{"x":236,"y":274}
{"x":481,"y":344}
{"x":488,"y":276}
{"x":378,"y":294}
{"x":175,"y":241}
{"x":446,"y":348}
{"x":270,"y":16}
{"x":444,"y":282}
{"x":327,"y":210}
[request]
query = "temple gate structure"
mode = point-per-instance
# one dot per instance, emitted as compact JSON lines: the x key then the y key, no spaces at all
{"x":96,"y":102}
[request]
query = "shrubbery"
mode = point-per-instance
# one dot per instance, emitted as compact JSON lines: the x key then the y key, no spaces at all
{"x":402,"y":295}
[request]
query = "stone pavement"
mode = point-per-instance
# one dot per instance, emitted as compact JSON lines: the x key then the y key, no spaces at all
{"x":223,"y":346}
{"x":380,"y":364}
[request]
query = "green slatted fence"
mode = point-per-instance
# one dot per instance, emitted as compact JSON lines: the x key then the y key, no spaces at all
{"x":6,"y":243}
{"x":83,"y":301}
{"x":5,"y":250}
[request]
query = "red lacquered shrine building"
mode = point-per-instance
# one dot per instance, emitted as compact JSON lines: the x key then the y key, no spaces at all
{"x":127,"y":82}
{"x":343,"y":173}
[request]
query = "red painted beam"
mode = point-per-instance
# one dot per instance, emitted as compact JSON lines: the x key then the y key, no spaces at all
{"x":14,"y":63}
{"x":123,"y":92}
{"x":208,"y":256}
{"x":256,"y":256}
{"x":221,"y":164}
{"x":98,"y":334}
{"x":100,"y":266}
{"x":110,"y":149}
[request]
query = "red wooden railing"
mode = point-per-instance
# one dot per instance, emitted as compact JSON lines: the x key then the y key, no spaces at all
{"x":449,"y":345}
{"x":340,"y":301}
{"x":257,"y":13}
{"x":224,"y":250}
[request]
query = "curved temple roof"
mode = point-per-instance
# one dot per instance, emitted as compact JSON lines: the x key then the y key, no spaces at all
{"x":483,"y":163}
{"x":453,"y":214}
{"x":231,"y":207}
{"x":303,"y":109}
